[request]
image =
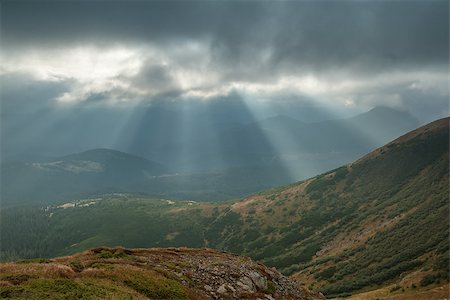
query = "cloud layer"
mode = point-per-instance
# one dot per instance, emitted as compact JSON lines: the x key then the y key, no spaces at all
{"x":351,"y":53}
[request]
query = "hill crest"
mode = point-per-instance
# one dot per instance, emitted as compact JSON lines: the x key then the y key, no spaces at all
{"x":422,"y":133}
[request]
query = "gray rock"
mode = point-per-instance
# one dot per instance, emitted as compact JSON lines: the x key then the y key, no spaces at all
{"x":245,"y":283}
{"x":208,"y":288}
{"x":222,"y":289}
{"x":259,"y":281}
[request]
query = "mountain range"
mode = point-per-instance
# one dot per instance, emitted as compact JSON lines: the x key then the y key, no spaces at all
{"x":380,"y":221}
{"x":280,"y":139}
{"x":227,"y":163}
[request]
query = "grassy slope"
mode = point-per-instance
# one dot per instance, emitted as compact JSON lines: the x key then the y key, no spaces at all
{"x":357,"y":227}
{"x":158,"y":273}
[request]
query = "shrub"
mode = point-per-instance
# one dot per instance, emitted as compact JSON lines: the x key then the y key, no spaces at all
{"x":431,"y":278}
{"x":271,"y":289}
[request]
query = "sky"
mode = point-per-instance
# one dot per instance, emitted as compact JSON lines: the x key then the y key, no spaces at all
{"x":341,"y":57}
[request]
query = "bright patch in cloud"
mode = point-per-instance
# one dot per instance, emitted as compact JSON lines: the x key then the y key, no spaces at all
{"x":83,"y":64}
{"x":117,"y":75}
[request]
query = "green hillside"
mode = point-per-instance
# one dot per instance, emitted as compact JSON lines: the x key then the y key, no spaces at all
{"x":371,"y":223}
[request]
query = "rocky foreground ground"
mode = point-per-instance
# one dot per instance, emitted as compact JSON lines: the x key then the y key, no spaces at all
{"x":169,"y":273}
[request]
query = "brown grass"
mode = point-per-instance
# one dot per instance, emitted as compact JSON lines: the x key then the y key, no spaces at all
{"x":434,"y":293}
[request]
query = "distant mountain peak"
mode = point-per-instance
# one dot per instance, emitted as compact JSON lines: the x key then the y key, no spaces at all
{"x":387,"y":110}
{"x":383,"y":108}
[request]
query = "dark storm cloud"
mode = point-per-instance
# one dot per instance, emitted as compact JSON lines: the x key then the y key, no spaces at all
{"x":72,"y":21}
{"x":347,"y":54}
{"x":269,"y":37}
{"x":376,"y":34}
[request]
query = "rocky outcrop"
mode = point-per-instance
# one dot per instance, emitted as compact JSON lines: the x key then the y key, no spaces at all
{"x":222,"y":275}
{"x":212,"y":274}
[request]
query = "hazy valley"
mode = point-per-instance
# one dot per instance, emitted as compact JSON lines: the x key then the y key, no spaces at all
{"x":249,"y":160}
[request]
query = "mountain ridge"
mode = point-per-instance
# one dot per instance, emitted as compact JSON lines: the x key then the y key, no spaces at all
{"x":108,"y":156}
{"x":75,"y":175}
